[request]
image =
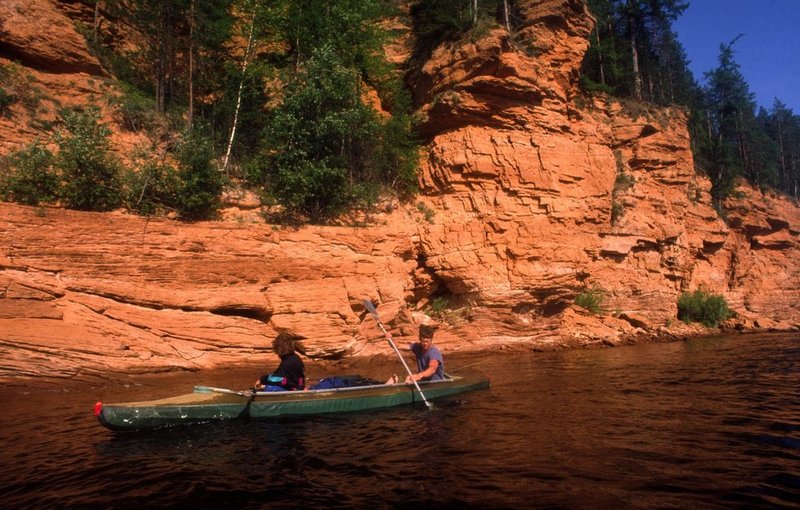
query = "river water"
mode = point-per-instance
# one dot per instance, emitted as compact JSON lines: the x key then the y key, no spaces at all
{"x":707,"y":423}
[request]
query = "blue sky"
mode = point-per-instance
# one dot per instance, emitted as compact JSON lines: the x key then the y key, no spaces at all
{"x":768,"y":54}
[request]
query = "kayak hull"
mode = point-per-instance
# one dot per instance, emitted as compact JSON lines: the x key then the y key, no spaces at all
{"x":199,"y":407}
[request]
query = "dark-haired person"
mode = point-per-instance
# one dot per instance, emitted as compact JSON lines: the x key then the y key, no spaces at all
{"x":290,"y":374}
{"x":430,"y":364}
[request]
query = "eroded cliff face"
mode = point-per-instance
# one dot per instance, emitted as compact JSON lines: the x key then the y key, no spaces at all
{"x":520,"y":180}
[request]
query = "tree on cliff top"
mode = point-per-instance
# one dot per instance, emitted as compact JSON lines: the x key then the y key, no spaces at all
{"x":89,"y":173}
{"x":325,"y":149}
{"x":321,"y":142}
{"x":737,"y":144}
{"x":635,"y":53}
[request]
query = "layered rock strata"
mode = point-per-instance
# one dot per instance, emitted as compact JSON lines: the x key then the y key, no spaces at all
{"x":532,"y":195}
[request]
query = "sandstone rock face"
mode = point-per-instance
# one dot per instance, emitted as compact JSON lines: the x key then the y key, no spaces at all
{"x":35,"y":33}
{"x":82,"y":293}
{"x":540,"y":197}
{"x":49,"y":67}
{"x":532,"y":196}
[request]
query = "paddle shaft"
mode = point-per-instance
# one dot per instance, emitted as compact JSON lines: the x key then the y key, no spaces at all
{"x":374,"y":312}
{"x":211,"y":389}
{"x":464,"y":366}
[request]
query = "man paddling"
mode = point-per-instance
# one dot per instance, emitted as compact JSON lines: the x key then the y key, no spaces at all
{"x":430,"y":364}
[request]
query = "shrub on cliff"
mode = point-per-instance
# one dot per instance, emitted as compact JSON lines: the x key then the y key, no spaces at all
{"x":29,"y":177}
{"x":152,"y":187}
{"x":591,"y":299}
{"x":136,"y":111}
{"x":89,"y":172}
{"x":323,"y":143}
{"x":699,"y":306}
{"x":198,"y":194}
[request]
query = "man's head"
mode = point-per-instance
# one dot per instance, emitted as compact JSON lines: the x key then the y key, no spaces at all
{"x":426,"y":336}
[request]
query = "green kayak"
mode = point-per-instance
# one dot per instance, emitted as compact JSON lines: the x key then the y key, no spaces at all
{"x":210,"y":404}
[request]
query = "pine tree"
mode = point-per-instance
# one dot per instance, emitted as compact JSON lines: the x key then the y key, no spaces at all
{"x":635,"y":53}
{"x":738,"y":138}
{"x":783,"y":127}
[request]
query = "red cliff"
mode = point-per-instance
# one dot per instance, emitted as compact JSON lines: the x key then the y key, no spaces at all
{"x":520,"y":181}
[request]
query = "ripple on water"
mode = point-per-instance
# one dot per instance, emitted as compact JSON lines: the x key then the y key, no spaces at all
{"x":706,"y":424}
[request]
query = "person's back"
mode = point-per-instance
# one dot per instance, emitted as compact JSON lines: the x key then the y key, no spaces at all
{"x":290,"y":374}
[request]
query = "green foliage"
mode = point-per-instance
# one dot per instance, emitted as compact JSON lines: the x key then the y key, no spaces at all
{"x":327,"y":150}
{"x":699,"y":306}
{"x":346,"y":27}
{"x":591,"y":299}
{"x":438,"y":306}
{"x":589,"y":85}
{"x":136,"y":110}
{"x":426,"y":211}
{"x":729,"y":140}
{"x":152,"y":188}
{"x":313,"y":135}
{"x":617,"y":211}
{"x":782,"y":126}
{"x":303,"y":132}
{"x":437,"y":21}
{"x":89,"y":172}
{"x":198,"y":194}
{"x":623,"y":182}
{"x":610,"y":65}
{"x":31,"y":179}
{"x":397,"y":148}
{"x":16,"y":86}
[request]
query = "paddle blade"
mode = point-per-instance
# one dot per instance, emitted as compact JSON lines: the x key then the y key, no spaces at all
{"x":370,"y":308}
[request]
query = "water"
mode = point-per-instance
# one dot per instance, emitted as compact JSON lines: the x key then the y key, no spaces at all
{"x":711,"y":423}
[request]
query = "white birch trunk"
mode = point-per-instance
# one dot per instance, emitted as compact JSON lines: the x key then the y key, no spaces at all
{"x":239,"y":95}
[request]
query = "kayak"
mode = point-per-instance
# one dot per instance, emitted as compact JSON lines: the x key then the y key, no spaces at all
{"x":206,"y":404}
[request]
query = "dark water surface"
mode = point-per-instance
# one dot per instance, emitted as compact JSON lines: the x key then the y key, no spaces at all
{"x":711,"y":423}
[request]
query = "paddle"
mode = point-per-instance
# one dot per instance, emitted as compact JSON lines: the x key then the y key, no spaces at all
{"x":246,"y":411}
{"x":251,"y":395}
{"x":371,"y":309}
{"x":210,"y":389}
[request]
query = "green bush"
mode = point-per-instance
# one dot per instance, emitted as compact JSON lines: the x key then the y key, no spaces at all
{"x":617,"y":211}
{"x":321,"y":142}
{"x":30,"y":178}
{"x":198,"y":194}
{"x":709,"y":309}
{"x":325,"y":151}
{"x":438,"y":306}
{"x":426,"y":211}
{"x":698,"y":306}
{"x":136,"y":110}
{"x":591,"y":86}
{"x":89,"y":171}
{"x":623,"y":182}
{"x":152,"y":188}
{"x":591,"y":299}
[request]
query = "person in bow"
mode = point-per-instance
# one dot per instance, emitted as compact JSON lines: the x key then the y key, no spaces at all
{"x":290,"y":374}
